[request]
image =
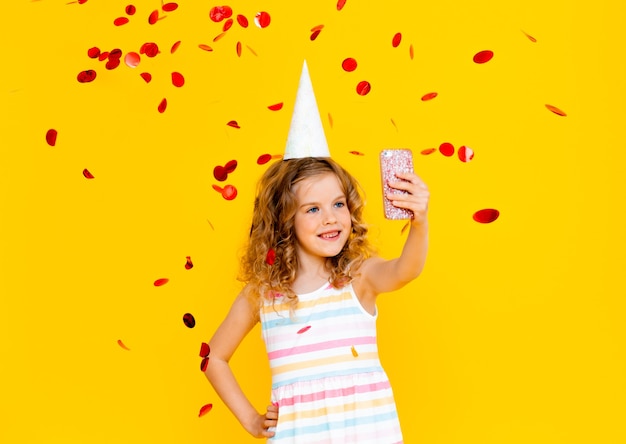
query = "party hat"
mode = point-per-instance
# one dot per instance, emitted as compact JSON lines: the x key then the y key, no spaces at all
{"x":306,"y":135}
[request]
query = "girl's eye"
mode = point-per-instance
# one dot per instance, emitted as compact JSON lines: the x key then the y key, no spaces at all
{"x":312,"y":210}
{"x":340,"y":204}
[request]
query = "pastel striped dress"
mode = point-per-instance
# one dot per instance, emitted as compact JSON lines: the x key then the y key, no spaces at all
{"x":326,"y":376}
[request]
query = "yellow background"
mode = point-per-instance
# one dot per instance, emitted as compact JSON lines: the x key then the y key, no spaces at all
{"x":513,"y":334}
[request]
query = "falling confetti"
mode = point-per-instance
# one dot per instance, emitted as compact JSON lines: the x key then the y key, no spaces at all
{"x":530,"y":37}
{"x":205,"y":47}
{"x":120,"y":21}
{"x":205,"y":409}
{"x":251,"y":50}
{"x":405,"y":227}
{"x":150,"y":49}
{"x":349,"y":64}
{"x":169,"y":7}
{"x":340,"y":4}
{"x":270,"y":258}
{"x":428,"y":151}
{"x":161,"y":282}
{"x":189,"y":320}
{"x":263,"y":159}
{"x":397,"y":38}
{"x":315,"y":31}
{"x":411,"y":51}
{"x":262,"y":19}
{"x":87,"y":174}
{"x":132,"y":59}
{"x":354,"y":352}
{"x":242,"y":20}
{"x":556,"y":110}
{"x":330,"y":120}
{"x":121,"y":344}
{"x":112,"y":64}
{"x":486,"y":215}
{"x":276,"y":107}
{"x":219,"y":13}
{"x":483,"y":56}
{"x":177,"y":79}
{"x":162,"y":106}
{"x":357,"y":153}
{"x":304,"y":329}
{"x":219,"y":37}
{"x":465,"y":153}
{"x":234,"y":124}
{"x":227,"y":25}
{"x":205,"y":350}
{"x":220,"y":174}
{"x":188,"y":263}
{"x":146,"y":76}
{"x":229,"y":192}
{"x":153,"y":17}
{"x":131,"y":10}
{"x":238,"y":49}
{"x":174,"y":47}
{"x":93,"y":53}
{"x":429,"y":96}
{"x":230,"y":166}
{"x":447,"y":149}
{"x":393,"y":122}
{"x":363,"y":88}
{"x":86,"y":76}
{"x":51,"y":137}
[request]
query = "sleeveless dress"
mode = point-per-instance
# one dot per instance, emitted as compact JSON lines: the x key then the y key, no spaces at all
{"x":327,"y":379}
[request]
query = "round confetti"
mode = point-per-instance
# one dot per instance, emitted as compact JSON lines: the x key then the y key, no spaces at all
{"x":146,"y":76}
{"x":428,"y":151}
{"x":130,"y":10}
{"x":465,"y":153}
{"x":205,"y":409}
{"x":132,"y":59}
{"x":429,"y":96}
{"x":219,"y":172}
{"x":242,"y":20}
{"x":304,"y":329}
{"x":234,"y":124}
{"x":93,"y":53}
{"x":205,"y":47}
{"x":262,"y":19}
{"x":177,"y":79}
{"x":270,"y":258}
{"x":174,"y":47}
{"x":169,"y":7}
{"x":87,"y":174}
{"x":188,"y":263}
{"x":153,"y":17}
{"x":483,"y":56}
{"x":120,"y":21}
{"x":150,"y":49}
{"x":161,"y":282}
{"x":219,"y":13}
{"x":397,"y":38}
{"x":556,"y":110}
{"x":530,"y":37}
{"x":340,"y":4}
{"x":227,"y":24}
{"x":103,"y":56}
{"x":238,"y":49}
{"x":363,"y":88}
{"x":115,"y":54}
{"x":486,"y":216}
{"x":349,"y":64}
{"x":276,"y":107}
{"x":162,"y":106}
{"x":447,"y":149}
{"x":51,"y":137}
{"x":112,"y":64}
{"x":230,"y":166}
{"x":263,"y":159}
{"x":86,"y":76}
{"x":229,"y":192}
{"x":411,"y":52}
{"x":189,"y":320}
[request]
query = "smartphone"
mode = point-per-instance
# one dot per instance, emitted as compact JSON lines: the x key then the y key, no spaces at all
{"x":394,"y":161}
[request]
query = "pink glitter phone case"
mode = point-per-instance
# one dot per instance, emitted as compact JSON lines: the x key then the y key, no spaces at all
{"x":394,"y":161}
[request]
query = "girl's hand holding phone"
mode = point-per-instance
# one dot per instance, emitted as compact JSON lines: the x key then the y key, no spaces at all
{"x":415,"y":199}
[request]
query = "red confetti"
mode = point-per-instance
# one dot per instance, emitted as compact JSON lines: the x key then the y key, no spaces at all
{"x":120,"y":21}
{"x":556,"y":110}
{"x":486,"y":216}
{"x":219,"y":13}
{"x":397,"y":38}
{"x":87,"y":174}
{"x":303,"y":329}
{"x":189,"y":320}
{"x":234,"y":124}
{"x":146,"y":76}
{"x":169,"y":7}
{"x":405,"y":227}
{"x":175,"y":47}
{"x":227,"y":24}
{"x":262,"y":19}
{"x":115,"y":54}
{"x":218,"y":188}
{"x":177,"y":79}
{"x":276,"y":107}
{"x":205,"y":47}
{"x":530,"y":37}
{"x":363,"y":88}
{"x":251,"y":50}
{"x":465,"y":153}
{"x":230,"y":166}
{"x":330,"y":120}
{"x":263,"y":159}
{"x":242,"y":20}
{"x":93,"y":53}
{"x":357,"y":153}
{"x":205,"y":409}
{"x":188,"y":263}
{"x":238,"y":49}
{"x":428,"y":151}
{"x":229,"y":192}
{"x":86,"y":76}
{"x":219,"y":172}
{"x":51,"y":137}
{"x":411,"y":52}
{"x":112,"y":64}
{"x":132,"y":59}
{"x":205,"y":350}
{"x":340,"y":4}
{"x":349,"y":64}
{"x":447,"y":149}
{"x":161,"y":282}
{"x":219,"y":36}
{"x":429,"y":96}
{"x":277,"y":156}
{"x":162,"y":106}
{"x":103,"y":56}
{"x":483,"y":56}
{"x":315,"y":34}
{"x":121,"y":344}
{"x":154,"y":17}
{"x":270,"y":258}
{"x":150,"y":49}
{"x":130,"y":10}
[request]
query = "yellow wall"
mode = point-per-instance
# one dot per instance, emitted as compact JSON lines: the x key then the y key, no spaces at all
{"x":515,"y":331}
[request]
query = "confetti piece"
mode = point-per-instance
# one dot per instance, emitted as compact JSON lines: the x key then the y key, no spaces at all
{"x":411,"y":51}
{"x":405,"y":227}
{"x":205,"y":349}
{"x":219,"y":13}
{"x":177,"y":79}
{"x":465,"y":153}
{"x":150,"y":49}
{"x":229,"y":192}
{"x":447,"y":149}
{"x":188,"y":263}
{"x":210,"y":224}
{"x":130,"y":10}
{"x":121,"y":344}
{"x":162,"y":106}
{"x":270,"y":258}
{"x":263,"y":159}
{"x":120,"y":21}
{"x":304,"y":329}
{"x":277,"y":156}
{"x":132,"y":59}
{"x":169,"y":7}
{"x":219,"y":36}
{"x":220,"y":174}
{"x":93,"y":53}
{"x":87,"y":174}
{"x":315,"y":34}
{"x":112,"y":64}
{"x":483,"y":56}
{"x":205,"y":409}
{"x":103,"y":56}
{"x":205,"y":47}
{"x":429,"y":96}
{"x":51,"y":137}
{"x":238,"y":49}
{"x":230,"y":166}
{"x":354,"y":352}
{"x":251,"y":50}
{"x":428,"y":151}
{"x":174,"y":47}
{"x":227,"y":24}
{"x":330,"y":120}
{"x":397,"y":38}
{"x":161,"y":282}
{"x":394,"y":124}
{"x":363,"y":88}
{"x":115,"y":54}
{"x":242,"y":20}
{"x":86,"y":76}
{"x":234,"y":124}
{"x":349,"y":64}
{"x":486,"y":216}
{"x":189,"y":320}
{"x":530,"y":37}
{"x":276,"y":106}
{"x":218,"y":188}
{"x":146,"y":76}
{"x":556,"y":110}
{"x":262,"y":19}
{"x":153,"y":17}
{"x":340,"y":4}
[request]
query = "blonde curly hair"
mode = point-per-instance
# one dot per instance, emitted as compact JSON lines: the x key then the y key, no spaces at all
{"x":272,"y":229}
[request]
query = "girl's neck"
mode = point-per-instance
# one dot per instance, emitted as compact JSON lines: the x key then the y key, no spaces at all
{"x":310,"y":279}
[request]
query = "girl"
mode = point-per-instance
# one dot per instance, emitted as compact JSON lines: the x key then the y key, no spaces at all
{"x":312,"y":280}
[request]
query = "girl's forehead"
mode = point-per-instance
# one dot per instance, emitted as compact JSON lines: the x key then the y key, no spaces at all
{"x":319,"y":183}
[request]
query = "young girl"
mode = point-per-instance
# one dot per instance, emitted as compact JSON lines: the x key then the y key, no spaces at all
{"x":312,"y":280}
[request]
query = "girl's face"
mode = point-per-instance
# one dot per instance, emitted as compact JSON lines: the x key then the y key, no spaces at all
{"x":322,"y":221}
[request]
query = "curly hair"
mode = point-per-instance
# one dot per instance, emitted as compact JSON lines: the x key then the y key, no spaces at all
{"x":272,"y":232}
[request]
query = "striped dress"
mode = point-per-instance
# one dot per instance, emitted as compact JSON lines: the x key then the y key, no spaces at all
{"x":326,"y":376}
